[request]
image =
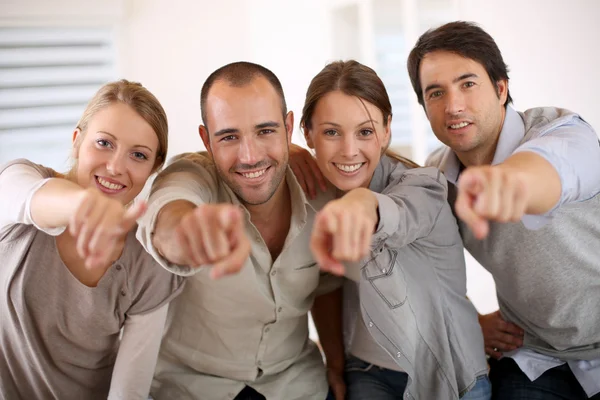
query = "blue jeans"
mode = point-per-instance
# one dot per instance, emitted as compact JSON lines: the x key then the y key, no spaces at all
{"x":481,"y":391}
{"x":510,"y":383}
{"x":366,"y":381}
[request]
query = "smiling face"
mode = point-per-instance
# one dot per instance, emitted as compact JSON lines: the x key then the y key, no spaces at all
{"x":248,"y":138}
{"x":465,"y":109}
{"x":116,"y":153}
{"x":348,"y":136}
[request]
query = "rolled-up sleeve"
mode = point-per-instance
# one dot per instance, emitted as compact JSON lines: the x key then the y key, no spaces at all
{"x":409,"y":206}
{"x":573,"y":149}
{"x":184,"y":179}
{"x":19,"y":182}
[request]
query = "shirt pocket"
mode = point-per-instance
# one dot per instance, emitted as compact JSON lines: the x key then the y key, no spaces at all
{"x":384,"y":275}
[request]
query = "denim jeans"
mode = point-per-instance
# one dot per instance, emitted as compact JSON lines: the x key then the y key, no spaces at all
{"x":366,"y":381}
{"x":481,"y":391}
{"x":510,"y":383}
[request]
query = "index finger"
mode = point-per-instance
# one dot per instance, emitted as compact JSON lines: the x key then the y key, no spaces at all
{"x":471,"y":189}
{"x":131,"y":216}
{"x":465,"y":211}
{"x":321,"y":247}
{"x":234,"y":262}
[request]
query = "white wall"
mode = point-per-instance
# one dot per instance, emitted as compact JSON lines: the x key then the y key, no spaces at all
{"x":172,"y":45}
{"x":59,"y":12}
{"x":551,"y":48}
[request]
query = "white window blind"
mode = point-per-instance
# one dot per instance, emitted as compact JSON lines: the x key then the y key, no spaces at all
{"x":47,"y":76}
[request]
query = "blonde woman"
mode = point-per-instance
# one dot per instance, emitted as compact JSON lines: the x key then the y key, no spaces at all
{"x":72,"y":274}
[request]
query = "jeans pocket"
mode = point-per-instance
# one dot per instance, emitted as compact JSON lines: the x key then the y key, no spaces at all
{"x":354,"y":364}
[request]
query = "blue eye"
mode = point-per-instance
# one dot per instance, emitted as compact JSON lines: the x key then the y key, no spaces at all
{"x":140,"y":155}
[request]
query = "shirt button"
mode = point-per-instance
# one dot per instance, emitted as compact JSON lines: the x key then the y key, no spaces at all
{"x":383,"y":271}
{"x":280,"y":309}
{"x":398,"y":354}
{"x":267,"y":330}
{"x":273,"y":273}
{"x":118,"y":267}
{"x":123,"y":292}
{"x":370,"y":324}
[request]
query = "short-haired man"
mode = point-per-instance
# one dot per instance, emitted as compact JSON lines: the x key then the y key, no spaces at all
{"x":239,"y":210}
{"x":528,"y":199}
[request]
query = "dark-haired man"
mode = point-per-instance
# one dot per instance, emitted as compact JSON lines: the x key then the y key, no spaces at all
{"x":528,"y":199}
{"x":240,"y":211}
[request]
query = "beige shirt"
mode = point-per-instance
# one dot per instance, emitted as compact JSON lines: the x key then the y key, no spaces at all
{"x":247,"y":329}
{"x":60,"y":339}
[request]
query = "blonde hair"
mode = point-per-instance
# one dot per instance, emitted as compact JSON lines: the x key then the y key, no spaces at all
{"x":141,"y":101}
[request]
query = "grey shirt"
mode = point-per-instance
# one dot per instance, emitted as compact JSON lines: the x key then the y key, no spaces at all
{"x":58,"y":337}
{"x":411,"y":291}
{"x":247,"y":329}
{"x":547,"y":267}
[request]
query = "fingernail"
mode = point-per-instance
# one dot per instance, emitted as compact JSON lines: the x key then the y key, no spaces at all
{"x":217,"y":273}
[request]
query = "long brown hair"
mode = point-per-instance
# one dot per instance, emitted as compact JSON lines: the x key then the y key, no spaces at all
{"x":353,"y":79}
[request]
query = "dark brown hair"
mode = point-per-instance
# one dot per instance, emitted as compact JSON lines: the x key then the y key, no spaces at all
{"x":353,"y":79}
{"x":465,"y":39}
{"x":239,"y":74}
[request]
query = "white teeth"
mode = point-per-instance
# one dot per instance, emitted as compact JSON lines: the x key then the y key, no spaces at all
{"x":253,"y":175}
{"x":458,"y":126}
{"x":109,"y":185}
{"x":348,"y":167}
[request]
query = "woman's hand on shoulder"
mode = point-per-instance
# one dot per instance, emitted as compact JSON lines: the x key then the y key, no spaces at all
{"x":306,"y":170}
{"x":343,"y":230}
{"x":99,"y":223}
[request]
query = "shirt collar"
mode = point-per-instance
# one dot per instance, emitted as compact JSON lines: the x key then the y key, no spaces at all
{"x":513,"y":130}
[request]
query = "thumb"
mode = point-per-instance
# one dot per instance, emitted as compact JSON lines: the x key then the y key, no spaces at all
{"x":132,"y":214}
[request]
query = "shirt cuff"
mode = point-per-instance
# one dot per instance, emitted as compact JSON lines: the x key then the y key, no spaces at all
{"x":147,"y":226}
{"x":28,"y":217}
{"x":389,"y":215}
